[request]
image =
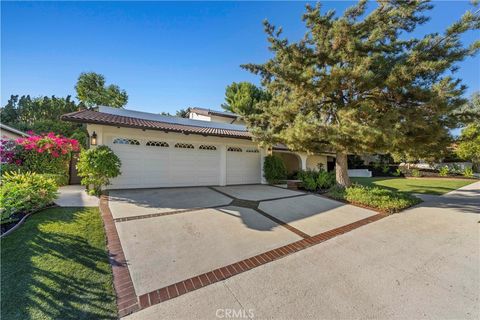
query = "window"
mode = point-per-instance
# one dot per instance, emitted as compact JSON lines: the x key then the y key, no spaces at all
{"x":157,"y":144}
{"x":207,"y":147}
{"x":126,"y":141}
{"x":234,"y":149}
{"x":184,"y":145}
{"x":252,"y":150}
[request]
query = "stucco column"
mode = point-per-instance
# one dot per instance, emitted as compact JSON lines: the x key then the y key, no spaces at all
{"x":263,"y":154}
{"x":223,"y":166}
{"x":303,"y":160}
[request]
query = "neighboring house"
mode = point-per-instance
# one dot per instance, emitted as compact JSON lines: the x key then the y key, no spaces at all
{"x":214,"y":116}
{"x":11,"y":133}
{"x":167,"y":151}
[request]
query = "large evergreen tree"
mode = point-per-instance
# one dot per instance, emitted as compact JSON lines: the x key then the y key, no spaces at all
{"x":359,"y":83}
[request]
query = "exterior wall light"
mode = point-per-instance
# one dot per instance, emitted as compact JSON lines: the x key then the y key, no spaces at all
{"x":93,"y":139}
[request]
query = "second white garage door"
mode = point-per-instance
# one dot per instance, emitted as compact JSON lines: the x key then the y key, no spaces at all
{"x":243,"y":165}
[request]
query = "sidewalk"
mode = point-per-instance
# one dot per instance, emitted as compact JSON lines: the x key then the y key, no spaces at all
{"x":75,"y":196}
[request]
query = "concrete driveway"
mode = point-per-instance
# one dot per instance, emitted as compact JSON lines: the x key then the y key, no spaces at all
{"x":421,"y":263}
{"x":169,"y":235}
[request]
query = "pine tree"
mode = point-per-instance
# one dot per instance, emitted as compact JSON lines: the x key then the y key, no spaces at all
{"x":360,"y":83}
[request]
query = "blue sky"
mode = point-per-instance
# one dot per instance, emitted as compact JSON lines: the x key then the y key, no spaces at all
{"x":166,"y":55}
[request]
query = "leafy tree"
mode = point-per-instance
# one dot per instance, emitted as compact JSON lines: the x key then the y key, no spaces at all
{"x":92,"y":91}
{"x":242,"y":97}
{"x":469,"y":145}
{"x":182,"y":113}
{"x":42,"y":115}
{"x":359,"y":83}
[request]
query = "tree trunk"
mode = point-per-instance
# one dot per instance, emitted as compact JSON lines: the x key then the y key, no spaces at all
{"x":341,"y":170}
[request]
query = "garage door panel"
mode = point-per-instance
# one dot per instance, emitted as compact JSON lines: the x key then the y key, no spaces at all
{"x":243,"y":167}
{"x":164,"y":165}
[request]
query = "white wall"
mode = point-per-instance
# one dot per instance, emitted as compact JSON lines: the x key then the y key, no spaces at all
{"x":105,"y":134}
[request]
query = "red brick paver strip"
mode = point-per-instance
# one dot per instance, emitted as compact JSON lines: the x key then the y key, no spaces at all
{"x":127,"y":300}
{"x":233,"y":269}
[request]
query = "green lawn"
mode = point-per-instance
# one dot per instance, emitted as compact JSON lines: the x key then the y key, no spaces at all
{"x":55,"y":266}
{"x":420,"y":185}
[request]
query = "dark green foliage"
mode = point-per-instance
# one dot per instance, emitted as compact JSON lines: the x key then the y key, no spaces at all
{"x":42,"y":115}
{"x":385,"y":200}
{"x":25,"y":192}
{"x":274,"y":169}
{"x":91,"y":90}
{"x":325,"y":180}
{"x":97,"y":166}
{"x":243,"y":97}
{"x":316,"y":179}
{"x":55,"y":266}
{"x":355,"y":162}
{"x":182,"y":113}
{"x":363,"y":83}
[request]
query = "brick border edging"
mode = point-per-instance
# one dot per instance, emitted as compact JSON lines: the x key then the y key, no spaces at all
{"x":172,"y":291}
{"x":126,"y":297}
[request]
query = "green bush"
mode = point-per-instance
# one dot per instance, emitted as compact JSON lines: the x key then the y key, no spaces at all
{"x":274,"y":169}
{"x":468,"y":172}
{"x":96,"y":167}
{"x":397,"y":173}
{"x":60,"y":179}
{"x":325,"y":180}
{"x":385,"y":200}
{"x":416,"y":173}
{"x":309,"y":183}
{"x":24,"y":192}
{"x":444,"y":171}
{"x":10,"y":168}
{"x":315,"y":179}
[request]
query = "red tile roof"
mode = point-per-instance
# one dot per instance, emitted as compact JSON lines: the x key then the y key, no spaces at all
{"x":96,"y":117}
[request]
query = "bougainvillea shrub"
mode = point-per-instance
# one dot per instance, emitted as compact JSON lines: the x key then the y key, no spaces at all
{"x":46,"y":153}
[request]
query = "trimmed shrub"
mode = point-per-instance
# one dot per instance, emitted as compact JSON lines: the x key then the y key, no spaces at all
{"x":444,"y":171}
{"x":60,"y":179}
{"x":325,"y":180}
{"x":416,"y":173}
{"x":309,"y":183}
{"x":25,"y":192}
{"x":313,"y":179}
{"x":379,"y":198}
{"x":96,"y":167}
{"x":468,"y":172}
{"x":274,"y":169}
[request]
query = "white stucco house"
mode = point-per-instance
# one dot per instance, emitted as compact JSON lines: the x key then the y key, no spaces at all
{"x":7,"y":132}
{"x":209,"y":148}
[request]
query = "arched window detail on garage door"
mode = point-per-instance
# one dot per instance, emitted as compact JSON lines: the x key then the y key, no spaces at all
{"x":207,"y":147}
{"x":234,"y":149}
{"x":134,"y":142}
{"x":152,"y":143}
{"x":184,"y":145}
{"x":252,"y":150}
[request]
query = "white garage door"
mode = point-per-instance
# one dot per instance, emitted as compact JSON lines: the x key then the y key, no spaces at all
{"x":156,"y":163}
{"x":243,"y":165}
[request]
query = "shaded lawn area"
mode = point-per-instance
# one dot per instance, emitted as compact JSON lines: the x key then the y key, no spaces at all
{"x":55,"y":266}
{"x":436,"y":186}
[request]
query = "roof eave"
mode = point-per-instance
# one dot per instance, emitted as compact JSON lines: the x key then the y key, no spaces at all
{"x":66,"y":117}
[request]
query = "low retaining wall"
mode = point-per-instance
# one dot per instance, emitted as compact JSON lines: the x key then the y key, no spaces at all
{"x":365,"y":173}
